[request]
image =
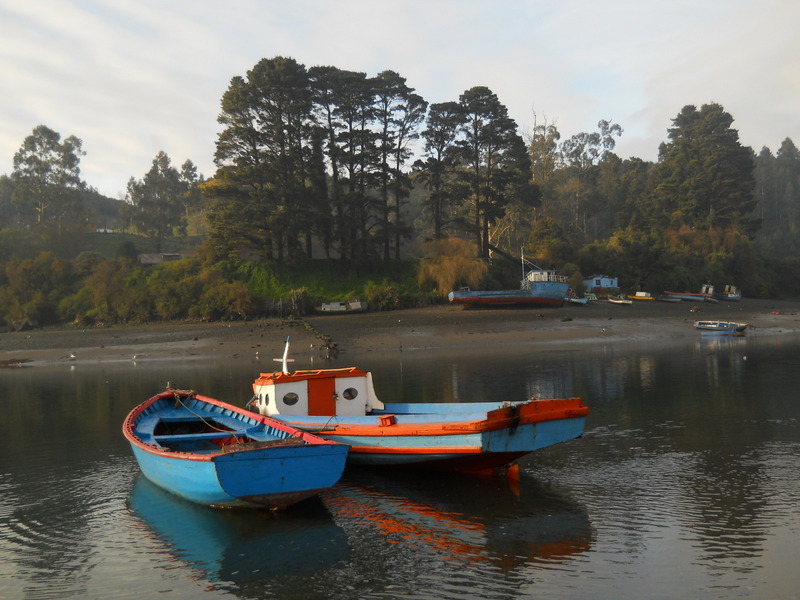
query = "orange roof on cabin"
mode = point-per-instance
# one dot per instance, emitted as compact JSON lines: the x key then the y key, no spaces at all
{"x":281,"y":377}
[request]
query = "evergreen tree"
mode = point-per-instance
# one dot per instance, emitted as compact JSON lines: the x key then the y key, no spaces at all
{"x":496,"y":162}
{"x":156,"y":201}
{"x":437,"y":171}
{"x":262,"y":156}
{"x":704,"y":178}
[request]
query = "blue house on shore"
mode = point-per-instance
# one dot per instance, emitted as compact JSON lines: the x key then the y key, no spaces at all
{"x":601,"y":283}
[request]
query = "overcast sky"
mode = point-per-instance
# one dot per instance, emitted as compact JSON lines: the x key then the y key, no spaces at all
{"x":132,"y":78}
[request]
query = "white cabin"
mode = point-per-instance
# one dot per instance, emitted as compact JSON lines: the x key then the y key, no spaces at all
{"x":324,"y":392}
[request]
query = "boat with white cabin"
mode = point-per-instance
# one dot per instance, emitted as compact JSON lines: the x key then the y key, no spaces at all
{"x":341,"y":405}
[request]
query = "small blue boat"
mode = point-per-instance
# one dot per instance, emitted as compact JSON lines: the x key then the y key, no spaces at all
{"x":218,"y":454}
{"x":720,"y":327}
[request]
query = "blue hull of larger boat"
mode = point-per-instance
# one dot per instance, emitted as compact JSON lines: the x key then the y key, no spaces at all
{"x":545,"y":293}
{"x":458,"y":436}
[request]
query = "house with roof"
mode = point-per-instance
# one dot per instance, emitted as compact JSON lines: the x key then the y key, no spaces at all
{"x":601,"y":284}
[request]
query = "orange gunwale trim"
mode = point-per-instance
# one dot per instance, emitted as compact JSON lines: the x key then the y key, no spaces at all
{"x":417,"y":450}
{"x":498,"y":419}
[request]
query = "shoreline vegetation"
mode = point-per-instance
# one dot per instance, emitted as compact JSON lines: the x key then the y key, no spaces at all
{"x":435,"y":328}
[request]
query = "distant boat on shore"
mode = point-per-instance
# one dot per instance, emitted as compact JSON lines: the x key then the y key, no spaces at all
{"x":691,"y":296}
{"x":641,"y":296}
{"x":731,"y":293}
{"x":538,"y":287}
{"x":720,"y":327}
{"x":354,"y":305}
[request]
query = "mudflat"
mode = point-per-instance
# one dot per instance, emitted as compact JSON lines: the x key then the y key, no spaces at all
{"x":435,"y":327}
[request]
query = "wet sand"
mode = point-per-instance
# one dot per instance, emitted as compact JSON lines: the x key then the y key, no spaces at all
{"x":436,"y":327}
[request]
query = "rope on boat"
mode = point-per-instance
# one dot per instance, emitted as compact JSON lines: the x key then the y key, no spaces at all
{"x":179,"y":395}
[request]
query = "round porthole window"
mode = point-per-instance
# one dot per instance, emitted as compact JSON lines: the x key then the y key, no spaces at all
{"x":350,"y":393}
{"x":290,"y":399}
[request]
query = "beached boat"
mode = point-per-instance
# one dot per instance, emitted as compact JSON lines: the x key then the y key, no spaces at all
{"x":573,"y":298}
{"x":691,"y":296}
{"x":641,"y":296}
{"x":341,"y":405}
{"x":622,"y":300}
{"x":721,"y":327}
{"x":730,"y":292}
{"x":354,"y":305}
{"x":538,"y":287}
{"x":218,"y":454}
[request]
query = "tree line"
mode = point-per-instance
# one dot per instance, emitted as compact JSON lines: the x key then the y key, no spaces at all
{"x":322,"y":162}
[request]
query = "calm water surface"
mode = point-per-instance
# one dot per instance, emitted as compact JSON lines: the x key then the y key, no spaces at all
{"x":686,"y":485}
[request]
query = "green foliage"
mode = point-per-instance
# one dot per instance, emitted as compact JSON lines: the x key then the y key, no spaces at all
{"x":704,"y":178}
{"x":224,"y":300}
{"x":127,"y":250}
{"x":548,"y":244}
{"x":34,"y":288}
{"x":324,"y":171}
{"x":156,"y":202}
{"x":383,"y":295}
{"x":262,"y":280}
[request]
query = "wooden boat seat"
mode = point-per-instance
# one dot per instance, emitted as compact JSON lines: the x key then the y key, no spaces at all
{"x":146,"y":428}
{"x":186,"y":437}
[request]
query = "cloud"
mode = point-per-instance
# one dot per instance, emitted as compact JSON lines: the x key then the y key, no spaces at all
{"x":133,"y":79}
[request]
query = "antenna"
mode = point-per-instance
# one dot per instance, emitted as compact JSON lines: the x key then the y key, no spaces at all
{"x":285,"y":358}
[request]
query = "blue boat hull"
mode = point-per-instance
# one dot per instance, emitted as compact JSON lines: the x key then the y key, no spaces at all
{"x":544,"y":293}
{"x":474,"y":452}
{"x":460,"y":436}
{"x":272,"y":478}
{"x":217,"y":454}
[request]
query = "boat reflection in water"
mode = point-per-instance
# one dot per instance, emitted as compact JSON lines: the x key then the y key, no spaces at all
{"x":400,"y":520}
{"x":238,"y":546}
{"x":456,"y":517}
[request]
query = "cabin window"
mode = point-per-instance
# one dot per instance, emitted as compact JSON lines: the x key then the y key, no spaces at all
{"x":290,"y":399}
{"x":265,"y":399}
{"x":350,"y":393}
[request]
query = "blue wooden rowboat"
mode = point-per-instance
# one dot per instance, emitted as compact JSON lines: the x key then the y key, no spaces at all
{"x":720,"y":327}
{"x":341,"y":405}
{"x":218,"y":454}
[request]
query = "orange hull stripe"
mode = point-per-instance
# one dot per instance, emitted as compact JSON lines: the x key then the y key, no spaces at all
{"x":417,"y":450}
{"x":471,"y":427}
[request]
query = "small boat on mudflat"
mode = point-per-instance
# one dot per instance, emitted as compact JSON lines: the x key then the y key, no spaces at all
{"x":621,"y":300}
{"x":720,"y":327}
{"x":641,"y":296}
{"x":341,"y":405}
{"x":354,"y":305}
{"x":218,"y":454}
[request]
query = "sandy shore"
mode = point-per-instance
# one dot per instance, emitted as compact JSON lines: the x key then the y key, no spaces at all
{"x":438,"y":327}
